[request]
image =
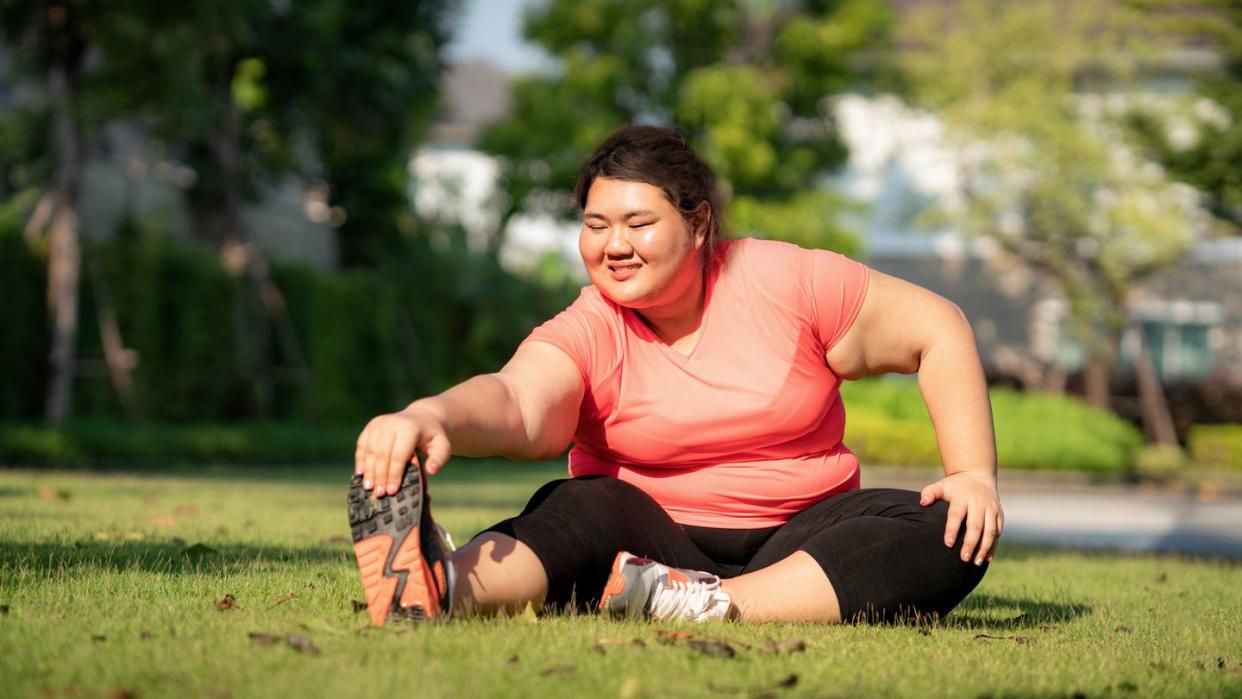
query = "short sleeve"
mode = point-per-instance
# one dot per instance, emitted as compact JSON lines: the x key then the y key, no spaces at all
{"x":582,"y":331}
{"x":837,"y":287}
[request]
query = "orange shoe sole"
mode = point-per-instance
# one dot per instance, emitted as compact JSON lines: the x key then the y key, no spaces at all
{"x":398,"y":579}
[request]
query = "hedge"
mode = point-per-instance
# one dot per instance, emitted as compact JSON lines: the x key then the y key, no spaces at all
{"x":1216,"y":446}
{"x":887,"y":423}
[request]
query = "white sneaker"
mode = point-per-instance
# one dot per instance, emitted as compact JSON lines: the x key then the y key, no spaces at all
{"x":640,"y":587}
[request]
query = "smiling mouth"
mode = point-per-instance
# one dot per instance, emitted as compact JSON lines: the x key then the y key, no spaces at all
{"x":625,"y":268}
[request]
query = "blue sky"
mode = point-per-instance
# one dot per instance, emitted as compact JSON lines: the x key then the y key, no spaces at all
{"x":492,"y":29}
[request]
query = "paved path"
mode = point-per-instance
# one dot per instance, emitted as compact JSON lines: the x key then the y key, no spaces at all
{"x":1110,"y":517}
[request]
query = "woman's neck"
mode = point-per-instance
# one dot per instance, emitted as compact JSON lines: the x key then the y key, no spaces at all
{"x":679,"y":321}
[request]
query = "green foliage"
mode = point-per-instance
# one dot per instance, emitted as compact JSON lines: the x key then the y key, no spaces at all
{"x":1160,"y":462}
{"x":1208,"y":156}
{"x":370,"y":341}
{"x":744,"y":81}
{"x":105,"y":442}
{"x":23,"y":318}
{"x":887,"y":423}
{"x":1051,"y":179}
{"x":247,"y":93}
{"x":1216,"y":446}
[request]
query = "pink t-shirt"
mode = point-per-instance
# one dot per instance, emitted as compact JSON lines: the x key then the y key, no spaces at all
{"x":744,"y":432}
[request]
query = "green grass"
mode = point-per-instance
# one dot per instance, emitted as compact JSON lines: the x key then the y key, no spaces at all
{"x":100,"y":598}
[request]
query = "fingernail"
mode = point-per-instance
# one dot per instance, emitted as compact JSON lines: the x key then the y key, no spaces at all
{"x":366,"y":483}
{"x":979,"y":561}
{"x":948,"y":542}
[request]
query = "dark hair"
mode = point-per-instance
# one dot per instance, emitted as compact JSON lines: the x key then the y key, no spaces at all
{"x":661,"y":158}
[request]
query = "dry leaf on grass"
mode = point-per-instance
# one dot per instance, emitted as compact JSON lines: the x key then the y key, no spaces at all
{"x":54,"y":494}
{"x":281,"y":601}
{"x":559,"y":670}
{"x":717,"y":649}
{"x":163,"y":521}
{"x":1020,"y":640}
{"x":187,"y":510}
{"x":301,"y":644}
{"x":227,"y":603}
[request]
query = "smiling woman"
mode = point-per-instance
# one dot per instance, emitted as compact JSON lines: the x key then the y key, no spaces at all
{"x":699,"y":382}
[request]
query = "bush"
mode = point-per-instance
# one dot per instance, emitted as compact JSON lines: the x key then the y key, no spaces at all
{"x":96,"y":442}
{"x":888,"y":423}
{"x":1216,"y":446}
{"x":370,"y":340}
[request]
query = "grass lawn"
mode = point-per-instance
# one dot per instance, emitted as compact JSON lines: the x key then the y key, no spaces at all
{"x":110,"y":586}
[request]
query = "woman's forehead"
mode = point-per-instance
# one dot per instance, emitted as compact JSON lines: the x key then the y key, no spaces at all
{"x":611,"y":197}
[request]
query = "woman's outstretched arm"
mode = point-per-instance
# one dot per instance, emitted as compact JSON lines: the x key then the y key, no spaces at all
{"x":527,"y":410}
{"x":904,"y":328}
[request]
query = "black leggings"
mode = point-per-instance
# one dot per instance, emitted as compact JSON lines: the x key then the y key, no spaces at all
{"x":883,"y":552}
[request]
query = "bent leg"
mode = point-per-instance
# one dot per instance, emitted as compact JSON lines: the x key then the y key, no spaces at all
{"x":866,"y":555}
{"x":497,"y":573}
{"x":560,"y":549}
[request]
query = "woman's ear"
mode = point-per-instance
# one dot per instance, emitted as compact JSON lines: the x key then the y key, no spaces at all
{"x":699,"y":221}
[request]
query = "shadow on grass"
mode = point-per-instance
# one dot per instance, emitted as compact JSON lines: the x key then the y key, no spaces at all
{"x":48,"y":559}
{"x":981,"y":611}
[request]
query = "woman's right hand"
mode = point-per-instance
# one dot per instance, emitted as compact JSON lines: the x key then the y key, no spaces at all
{"x":391,"y":441}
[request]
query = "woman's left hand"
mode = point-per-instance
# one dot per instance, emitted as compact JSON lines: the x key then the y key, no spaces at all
{"x":972,"y":498}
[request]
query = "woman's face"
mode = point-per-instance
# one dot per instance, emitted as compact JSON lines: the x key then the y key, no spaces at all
{"x":638,"y":249}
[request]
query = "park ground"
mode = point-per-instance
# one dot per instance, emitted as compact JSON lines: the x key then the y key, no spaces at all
{"x":231,"y":582}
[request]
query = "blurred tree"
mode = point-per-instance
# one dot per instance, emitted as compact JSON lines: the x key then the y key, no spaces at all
{"x":246,"y":92}
{"x":250,"y":91}
{"x":1203,"y":146}
{"x":746,"y":82}
{"x":1048,"y":176}
{"x":53,"y":39}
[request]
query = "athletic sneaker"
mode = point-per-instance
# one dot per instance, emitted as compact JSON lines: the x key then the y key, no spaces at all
{"x":640,"y":587}
{"x":402,"y":554}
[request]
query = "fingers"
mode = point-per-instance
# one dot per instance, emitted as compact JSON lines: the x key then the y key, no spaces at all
{"x":974,"y":531}
{"x":989,"y":538}
{"x":381,"y":448}
{"x":398,"y":457}
{"x":438,"y":451}
{"x":390,"y":442}
{"x":957,"y":512}
{"x":931,"y":494}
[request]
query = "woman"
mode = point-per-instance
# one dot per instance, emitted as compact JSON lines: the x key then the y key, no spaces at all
{"x":698,"y":380}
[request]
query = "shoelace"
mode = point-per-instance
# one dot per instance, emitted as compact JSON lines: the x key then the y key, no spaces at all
{"x":446,"y":538}
{"x":684,"y":600}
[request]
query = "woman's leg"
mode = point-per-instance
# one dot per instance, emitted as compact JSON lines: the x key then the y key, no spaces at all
{"x":560,"y":549}
{"x":873,"y":554}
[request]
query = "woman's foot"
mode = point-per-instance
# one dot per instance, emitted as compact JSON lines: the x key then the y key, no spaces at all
{"x":641,"y":588}
{"x":406,"y":568}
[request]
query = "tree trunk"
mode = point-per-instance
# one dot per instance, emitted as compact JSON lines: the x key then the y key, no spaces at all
{"x":64,"y":251}
{"x":1157,"y":420}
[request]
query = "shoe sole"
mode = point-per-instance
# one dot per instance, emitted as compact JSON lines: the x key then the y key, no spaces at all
{"x":388,"y":545}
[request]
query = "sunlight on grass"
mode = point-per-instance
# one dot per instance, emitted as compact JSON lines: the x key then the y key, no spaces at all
{"x":112,"y":582}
